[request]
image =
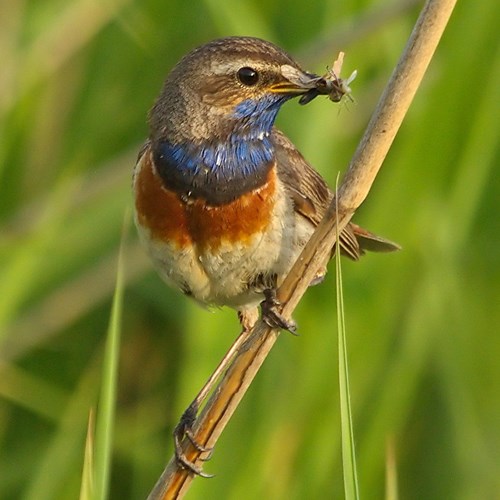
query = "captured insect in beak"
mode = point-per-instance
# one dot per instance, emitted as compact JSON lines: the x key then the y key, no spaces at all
{"x":331,"y":84}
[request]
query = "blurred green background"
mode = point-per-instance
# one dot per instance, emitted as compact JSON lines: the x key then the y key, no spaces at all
{"x":76,"y":81}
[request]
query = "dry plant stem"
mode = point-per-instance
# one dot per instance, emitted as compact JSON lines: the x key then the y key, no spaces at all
{"x":175,"y":480}
{"x":356,"y":184}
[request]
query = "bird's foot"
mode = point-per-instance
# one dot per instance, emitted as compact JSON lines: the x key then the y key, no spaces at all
{"x":272,"y":316}
{"x":185,"y":429}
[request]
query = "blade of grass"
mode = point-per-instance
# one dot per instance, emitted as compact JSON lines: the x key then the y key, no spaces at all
{"x":351,"y":488}
{"x":87,"y":487}
{"x":107,"y":400}
{"x":391,"y":472}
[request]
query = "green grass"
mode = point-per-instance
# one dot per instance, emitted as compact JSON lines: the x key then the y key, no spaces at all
{"x":105,"y":425}
{"x":77,"y":80}
{"x":87,"y":486}
{"x":350,"y":472}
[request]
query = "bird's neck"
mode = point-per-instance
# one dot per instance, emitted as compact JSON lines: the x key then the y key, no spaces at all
{"x":221,"y":169}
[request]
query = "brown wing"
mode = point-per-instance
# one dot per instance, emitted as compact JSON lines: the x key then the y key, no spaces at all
{"x":311,"y":197}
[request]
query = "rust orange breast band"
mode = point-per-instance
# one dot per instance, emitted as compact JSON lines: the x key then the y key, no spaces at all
{"x":172,"y":220}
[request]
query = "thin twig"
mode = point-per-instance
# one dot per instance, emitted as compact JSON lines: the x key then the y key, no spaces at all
{"x":356,"y":184}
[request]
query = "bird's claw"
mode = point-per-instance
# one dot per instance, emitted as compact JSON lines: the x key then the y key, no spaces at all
{"x":272,"y":316}
{"x":184,"y":429}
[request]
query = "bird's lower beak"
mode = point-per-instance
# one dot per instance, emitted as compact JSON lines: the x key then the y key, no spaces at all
{"x":296,"y":81}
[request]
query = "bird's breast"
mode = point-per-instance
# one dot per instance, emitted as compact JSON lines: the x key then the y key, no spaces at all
{"x":180,"y":222}
{"x":216,"y":253}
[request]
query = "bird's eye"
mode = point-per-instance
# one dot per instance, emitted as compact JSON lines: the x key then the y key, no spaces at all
{"x":248,"y":76}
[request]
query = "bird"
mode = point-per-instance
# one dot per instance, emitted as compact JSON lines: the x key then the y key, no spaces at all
{"x":224,"y":201}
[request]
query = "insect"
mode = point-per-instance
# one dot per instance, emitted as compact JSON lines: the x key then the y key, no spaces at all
{"x":331,"y":84}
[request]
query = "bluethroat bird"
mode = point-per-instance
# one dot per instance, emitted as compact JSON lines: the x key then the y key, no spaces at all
{"x":224,"y":202}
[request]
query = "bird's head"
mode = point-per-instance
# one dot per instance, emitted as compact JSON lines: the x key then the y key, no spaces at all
{"x":232,"y":85}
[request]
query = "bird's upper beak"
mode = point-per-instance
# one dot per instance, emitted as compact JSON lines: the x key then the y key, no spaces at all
{"x":296,"y":81}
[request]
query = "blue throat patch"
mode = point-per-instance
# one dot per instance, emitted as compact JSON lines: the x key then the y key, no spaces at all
{"x":221,"y":170}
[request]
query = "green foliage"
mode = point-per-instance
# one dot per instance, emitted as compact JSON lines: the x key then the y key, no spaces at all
{"x":77,"y":80}
{"x":351,"y":486}
{"x":105,"y":426}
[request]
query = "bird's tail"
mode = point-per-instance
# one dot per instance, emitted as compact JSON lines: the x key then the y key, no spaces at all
{"x":355,"y":240}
